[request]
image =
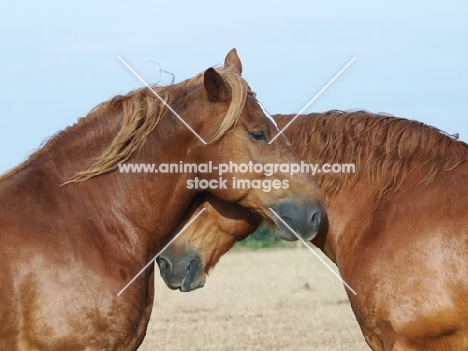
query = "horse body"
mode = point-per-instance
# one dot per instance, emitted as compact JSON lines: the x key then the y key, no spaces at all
{"x":396,"y":229}
{"x":74,"y":231}
{"x":407,"y":263}
{"x":403,"y":250}
{"x":82,"y":238}
{"x":56,"y":270}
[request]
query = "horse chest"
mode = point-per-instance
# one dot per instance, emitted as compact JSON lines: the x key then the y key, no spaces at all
{"x":68,"y":308}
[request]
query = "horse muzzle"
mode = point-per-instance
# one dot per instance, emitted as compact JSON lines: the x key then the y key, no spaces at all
{"x":186,"y":276}
{"x":304,"y":220}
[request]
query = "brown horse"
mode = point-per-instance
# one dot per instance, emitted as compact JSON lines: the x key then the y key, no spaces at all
{"x":74,"y":230}
{"x":396,"y":228}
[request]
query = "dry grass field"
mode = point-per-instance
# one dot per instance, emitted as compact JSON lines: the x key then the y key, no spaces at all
{"x":269,"y":299}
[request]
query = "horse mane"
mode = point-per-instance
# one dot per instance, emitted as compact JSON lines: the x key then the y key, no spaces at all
{"x":381,"y":146}
{"x":142,"y":111}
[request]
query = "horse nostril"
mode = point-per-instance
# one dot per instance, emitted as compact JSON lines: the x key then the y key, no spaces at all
{"x":316,"y":219}
{"x":163,"y":264}
{"x":192,"y":271}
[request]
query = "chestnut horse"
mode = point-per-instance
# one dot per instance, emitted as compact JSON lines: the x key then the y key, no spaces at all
{"x":74,"y":229}
{"x":396,"y":228}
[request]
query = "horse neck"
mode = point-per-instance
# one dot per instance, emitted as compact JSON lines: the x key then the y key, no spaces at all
{"x":139,"y":210}
{"x":346,"y":210}
{"x":424,"y":154}
{"x":357,"y":212}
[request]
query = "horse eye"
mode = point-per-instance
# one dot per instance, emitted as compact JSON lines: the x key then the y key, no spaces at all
{"x":258,"y":135}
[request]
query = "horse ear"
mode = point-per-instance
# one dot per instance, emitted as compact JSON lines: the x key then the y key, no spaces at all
{"x":233,"y":60}
{"x":216,"y":88}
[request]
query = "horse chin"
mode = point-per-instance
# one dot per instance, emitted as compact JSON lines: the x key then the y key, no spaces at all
{"x":284,"y":233}
{"x":194,"y":285}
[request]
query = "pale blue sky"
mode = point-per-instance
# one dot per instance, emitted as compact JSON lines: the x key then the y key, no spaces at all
{"x":59,"y":59}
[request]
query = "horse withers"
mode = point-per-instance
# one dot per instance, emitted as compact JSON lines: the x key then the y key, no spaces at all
{"x":75,"y":228}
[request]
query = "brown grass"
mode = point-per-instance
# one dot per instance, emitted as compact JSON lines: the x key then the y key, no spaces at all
{"x":270,"y":299}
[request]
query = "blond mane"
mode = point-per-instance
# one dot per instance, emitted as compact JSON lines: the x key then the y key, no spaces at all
{"x":142,"y":111}
{"x":382,"y":147}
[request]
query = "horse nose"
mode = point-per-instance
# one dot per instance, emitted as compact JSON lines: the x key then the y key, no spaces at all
{"x":303,"y":219}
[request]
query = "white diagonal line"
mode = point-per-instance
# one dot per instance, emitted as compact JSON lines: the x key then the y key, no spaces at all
{"x":311,"y":250}
{"x":160,"y":252}
{"x":313,"y":99}
{"x":161,"y":99}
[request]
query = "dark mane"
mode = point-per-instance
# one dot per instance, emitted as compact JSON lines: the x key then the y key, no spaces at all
{"x":382,"y":147}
